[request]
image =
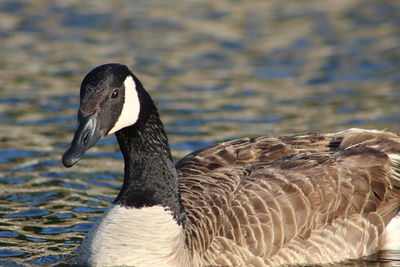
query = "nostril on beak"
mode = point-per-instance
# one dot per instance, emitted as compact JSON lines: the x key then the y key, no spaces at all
{"x":86,"y":137}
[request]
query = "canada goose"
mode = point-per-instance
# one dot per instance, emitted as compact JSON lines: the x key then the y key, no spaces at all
{"x":300,"y":199}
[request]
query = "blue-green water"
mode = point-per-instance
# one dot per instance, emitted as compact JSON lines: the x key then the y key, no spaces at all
{"x":217,"y":69}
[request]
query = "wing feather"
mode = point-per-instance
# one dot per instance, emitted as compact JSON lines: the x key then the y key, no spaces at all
{"x":277,"y":200}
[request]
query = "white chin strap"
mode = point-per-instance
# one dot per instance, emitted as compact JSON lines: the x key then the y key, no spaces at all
{"x":130,"y":111}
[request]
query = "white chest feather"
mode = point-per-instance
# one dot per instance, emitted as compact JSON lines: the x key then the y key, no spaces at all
{"x":134,"y":237}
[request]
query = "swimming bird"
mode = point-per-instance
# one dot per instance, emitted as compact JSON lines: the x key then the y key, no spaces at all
{"x":265,"y":201}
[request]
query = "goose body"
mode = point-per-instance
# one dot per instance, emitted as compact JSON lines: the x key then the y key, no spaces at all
{"x":299,"y":199}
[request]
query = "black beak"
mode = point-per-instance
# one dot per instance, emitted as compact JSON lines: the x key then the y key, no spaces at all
{"x":86,"y":135}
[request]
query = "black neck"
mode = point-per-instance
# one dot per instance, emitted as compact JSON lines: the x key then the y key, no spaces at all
{"x":150,"y":176}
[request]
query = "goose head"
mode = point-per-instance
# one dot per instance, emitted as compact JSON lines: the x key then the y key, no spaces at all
{"x":113,"y":100}
{"x":110,"y":100}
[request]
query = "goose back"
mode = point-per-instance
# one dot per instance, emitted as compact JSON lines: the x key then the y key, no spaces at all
{"x":290,"y":200}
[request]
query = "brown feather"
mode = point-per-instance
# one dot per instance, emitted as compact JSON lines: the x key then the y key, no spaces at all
{"x":302,"y":199}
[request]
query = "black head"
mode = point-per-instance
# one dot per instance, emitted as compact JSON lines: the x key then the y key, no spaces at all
{"x":109,"y":101}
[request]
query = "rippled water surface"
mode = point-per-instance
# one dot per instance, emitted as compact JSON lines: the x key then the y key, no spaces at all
{"x":217,"y":69}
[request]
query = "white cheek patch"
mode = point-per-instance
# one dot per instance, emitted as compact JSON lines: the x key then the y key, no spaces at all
{"x":130,"y":111}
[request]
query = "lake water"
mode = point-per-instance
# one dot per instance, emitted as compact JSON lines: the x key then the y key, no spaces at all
{"x":217,"y":70}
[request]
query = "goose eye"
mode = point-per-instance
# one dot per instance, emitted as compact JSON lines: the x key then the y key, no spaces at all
{"x":115,"y":93}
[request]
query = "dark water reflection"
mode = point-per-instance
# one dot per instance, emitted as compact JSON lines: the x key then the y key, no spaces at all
{"x":217,"y":69}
